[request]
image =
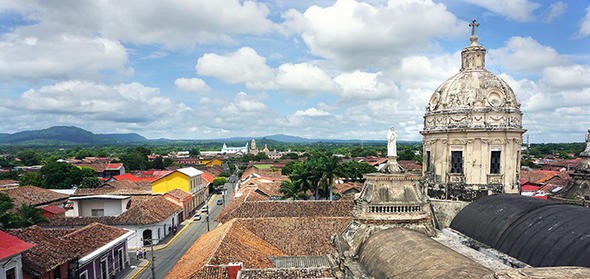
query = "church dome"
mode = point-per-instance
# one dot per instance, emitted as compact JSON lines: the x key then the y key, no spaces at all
{"x":474,"y":98}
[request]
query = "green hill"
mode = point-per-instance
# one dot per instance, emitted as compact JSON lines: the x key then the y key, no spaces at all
{"x":61,"y":135}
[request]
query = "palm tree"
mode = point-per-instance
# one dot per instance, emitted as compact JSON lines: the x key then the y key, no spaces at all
{"x":330,"y":167}
{"x":292,"y":191}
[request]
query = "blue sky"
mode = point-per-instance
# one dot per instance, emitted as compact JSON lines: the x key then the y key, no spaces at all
{"x":322,"y":69}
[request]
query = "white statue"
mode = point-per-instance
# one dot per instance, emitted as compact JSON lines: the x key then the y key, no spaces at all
{"x":391,"y":143}
{"x":586,"y":152}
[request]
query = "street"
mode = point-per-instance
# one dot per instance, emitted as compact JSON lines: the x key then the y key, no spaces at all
{"x":166,"y":258}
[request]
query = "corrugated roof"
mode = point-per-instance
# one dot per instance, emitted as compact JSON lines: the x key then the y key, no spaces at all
{"x":537,"y":232}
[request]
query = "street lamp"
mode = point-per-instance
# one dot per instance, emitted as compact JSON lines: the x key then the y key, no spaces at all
{"x":153,"y":267}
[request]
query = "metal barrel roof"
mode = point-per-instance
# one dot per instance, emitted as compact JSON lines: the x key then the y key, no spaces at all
{"x":538,"y":232}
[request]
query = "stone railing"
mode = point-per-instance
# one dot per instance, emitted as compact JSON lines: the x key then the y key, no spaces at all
{"x":495,"y":178}
{"x":455,"y":178}
{"x":395,"y":209}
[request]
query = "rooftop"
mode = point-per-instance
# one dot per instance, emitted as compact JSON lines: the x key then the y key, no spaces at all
{"x":11,"y":245}
{"x":53,"y":247}
{"x":33,"y":195}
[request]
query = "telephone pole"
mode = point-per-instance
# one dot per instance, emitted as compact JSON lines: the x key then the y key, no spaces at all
{"x":153,"y":267}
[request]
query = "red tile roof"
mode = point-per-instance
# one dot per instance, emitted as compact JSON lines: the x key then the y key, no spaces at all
{"x":33,"y":195}
{"x":144,"y":211}
{"x":120,"y":187}
{"x":114,"y":166}
{"x":179,"y":195}
{"x":53,"y":247}
{"x":207,"y":176}
{"x":261,"y":209}
{"x":54,"y":209}
{"x":11,"y":245}
{"x":131,"y":177}
{"x":253,"y":241}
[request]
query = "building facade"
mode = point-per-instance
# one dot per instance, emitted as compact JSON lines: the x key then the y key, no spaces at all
{"x":472,"y":132}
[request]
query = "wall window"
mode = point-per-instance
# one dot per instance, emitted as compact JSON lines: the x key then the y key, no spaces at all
{"x":97,"y":212}
{"x":57,"y":272}
{"x":120,"y":259}
{"x":84,"y":275}
{"x":495,"y":162}
{"x":11,"y":273}
{"x":456,"y":161}
{"x":104,"y":268}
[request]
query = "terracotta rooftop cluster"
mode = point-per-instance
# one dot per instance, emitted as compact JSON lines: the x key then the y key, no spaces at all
{"x":34,"y":195}
{"x":54,"y":247}
{"x":342,"y":208}
{"x":252,"y":241}
{"x":121,"y":187}
{"x":145,"y":211}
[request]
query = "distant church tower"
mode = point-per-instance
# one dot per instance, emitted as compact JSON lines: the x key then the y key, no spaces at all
{"x":472,"y":132}
{"x":253,"y":149}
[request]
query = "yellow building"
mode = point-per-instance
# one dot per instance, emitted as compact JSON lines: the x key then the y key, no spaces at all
{"x":211,"y":162}
{"x":186,"y":179}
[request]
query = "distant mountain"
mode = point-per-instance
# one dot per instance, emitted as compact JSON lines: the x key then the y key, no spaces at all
{"x":67,"y":135}
{"x":130,"y":137}
{"x":290,"y":139}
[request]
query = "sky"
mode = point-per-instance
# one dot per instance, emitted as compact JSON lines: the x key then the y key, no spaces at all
{"x":341,"y":69}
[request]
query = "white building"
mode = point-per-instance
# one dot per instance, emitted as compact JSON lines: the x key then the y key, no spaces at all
{"x":99,"y":205}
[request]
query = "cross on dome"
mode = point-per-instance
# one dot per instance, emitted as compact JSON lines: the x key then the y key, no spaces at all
{"x":473,"y":37}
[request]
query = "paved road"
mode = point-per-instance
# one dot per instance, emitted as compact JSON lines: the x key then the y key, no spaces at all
{"x":166,"y":258}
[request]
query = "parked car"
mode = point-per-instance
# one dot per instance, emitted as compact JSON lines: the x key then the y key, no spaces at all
{"x":219,"y":202}
{"x":197,"y":217}
{"x":205,"y":209}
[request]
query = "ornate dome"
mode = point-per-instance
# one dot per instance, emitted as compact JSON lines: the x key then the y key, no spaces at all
{"x":474,"y":98}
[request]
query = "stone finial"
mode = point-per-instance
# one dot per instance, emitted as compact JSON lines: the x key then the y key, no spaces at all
{"x":586,"y":152}
{"x":391,"y":166}
{"x":473,"y":37}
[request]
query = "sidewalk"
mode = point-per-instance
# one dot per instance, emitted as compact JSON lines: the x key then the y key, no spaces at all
{"x":138,"y":265}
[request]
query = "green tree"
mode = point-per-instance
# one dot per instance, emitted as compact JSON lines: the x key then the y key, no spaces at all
{"x":288,"y":168}
{"x":158,"y":163}
{"x":330,"y":167}
{"x":28,"y":157}
{"x":136,"y":158}
{"x":90,"y":182}
{"x":218,"y":181}
{"x":30,"y":178}
{"x":292,"y":191}
{"x":354,"y":170}
{"x":6,"y":217}
{"x":28,"y":215}
{"x":59,"y":175}
{"x":87,"y":172}
{"x":194,"y":152}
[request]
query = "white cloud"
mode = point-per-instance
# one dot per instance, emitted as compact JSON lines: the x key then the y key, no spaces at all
{"x":363,"y":85}
{"x":360,"y":34}
{"x":519,"y":10}
{"x":525,"y":55}
{"x":95,"y":106}
{"x":555,"y":10}
{"x":60,"y":57}
{"x":171,"y":24}
{"x":585,"y":24}
{"x":191,"y":84}
{"x":243,"y":105}
{"x":311,"y":112}
{"x":241,"y":66}
{"x":304,"y":77}
{"x":567,"y":77}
